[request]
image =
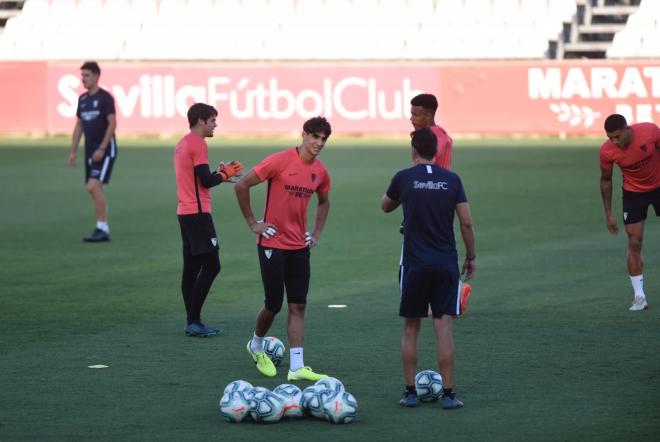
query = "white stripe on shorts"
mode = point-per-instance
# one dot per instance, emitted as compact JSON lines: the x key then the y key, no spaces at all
{"x":106,"y":162}
{"x":458,"y":297}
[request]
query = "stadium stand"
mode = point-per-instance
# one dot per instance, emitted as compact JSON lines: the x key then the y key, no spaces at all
{"x":328,"y":29}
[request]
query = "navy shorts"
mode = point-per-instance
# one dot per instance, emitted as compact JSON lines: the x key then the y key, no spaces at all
{"x":100,"y":170}
{"x":282,"y":269}
{"x":636,"y":205}
{"x":437,"y":286}
{"x":198,"y":233}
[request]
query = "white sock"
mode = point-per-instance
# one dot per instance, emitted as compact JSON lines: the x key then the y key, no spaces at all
{"x":257,"y":343}
{"x":296,"y":358}
{"x":103,"y":225}
{"x":638,"y":285}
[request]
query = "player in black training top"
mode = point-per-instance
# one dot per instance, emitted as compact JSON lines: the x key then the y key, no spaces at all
{"x":429,"y":273}
{"x":96,"y":119}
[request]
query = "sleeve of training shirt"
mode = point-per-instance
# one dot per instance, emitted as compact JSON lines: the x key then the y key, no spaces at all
{"x":394,"y":192}
{"x":606,"y":161}
{"x":324,"y":185}
{"x":270,"y":166}
{"x":460,"y":195}
{"x":108,"y":104}
{"x":199,"y":151}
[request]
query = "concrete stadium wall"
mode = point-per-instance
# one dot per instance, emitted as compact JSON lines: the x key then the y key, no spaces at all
{"x":490,"y":98}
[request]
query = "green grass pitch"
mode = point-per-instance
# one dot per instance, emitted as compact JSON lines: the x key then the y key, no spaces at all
{"x":547,"y":350}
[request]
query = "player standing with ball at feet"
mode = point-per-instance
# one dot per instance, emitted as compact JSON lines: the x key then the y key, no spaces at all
{"x":194,"y":179}
{"x":283,"y":241}
{"x":428,"y":272}
{"x":636,"y":149}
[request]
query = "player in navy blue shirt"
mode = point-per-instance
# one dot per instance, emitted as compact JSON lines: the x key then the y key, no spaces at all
{"x":96,"y":120}
{"x":429,"y":273}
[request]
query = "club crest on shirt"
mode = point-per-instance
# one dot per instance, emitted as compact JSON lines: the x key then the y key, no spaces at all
{"x":214,"y":241}
{"x":643,"y":147}
{"x":96,"y":103}
{"x":268,"y":253}
{"x":313,"y":177}
{"x":625,"y":216}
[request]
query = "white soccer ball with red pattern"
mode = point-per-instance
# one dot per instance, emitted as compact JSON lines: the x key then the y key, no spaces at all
{"x":340,"y":408}
{"x":292,"y":396}
{"x":234,"y":406}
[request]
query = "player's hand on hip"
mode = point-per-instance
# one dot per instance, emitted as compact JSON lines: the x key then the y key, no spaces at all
{"x":98,"y":155}
{"x":469,"y":268}
{"x":310,"y":240}
{"x":267,"y":230}
{"x":72,"y":160}
{"x":611,"y":225}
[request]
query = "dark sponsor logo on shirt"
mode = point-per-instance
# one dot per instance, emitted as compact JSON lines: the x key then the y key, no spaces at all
{"x":638,"y":165}
{"x":298,"y":191}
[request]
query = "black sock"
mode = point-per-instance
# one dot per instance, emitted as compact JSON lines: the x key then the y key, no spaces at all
{"x":447,"y":391}
{"x":410,"y":389}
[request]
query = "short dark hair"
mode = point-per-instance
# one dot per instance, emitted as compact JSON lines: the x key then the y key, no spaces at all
{"x":615,"y":122}
{"x":200,"y":111}
{"x":427,"y":101}
{"x":91,"y":66}
{"x":424,"y":142}
{"x":317,"y":124}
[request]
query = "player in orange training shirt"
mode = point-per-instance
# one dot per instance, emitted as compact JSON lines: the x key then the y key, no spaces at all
{"x":636,"y":150}
{"x":283,"y":242}
{"x":422,"y":114}
{"x":194,"y":180}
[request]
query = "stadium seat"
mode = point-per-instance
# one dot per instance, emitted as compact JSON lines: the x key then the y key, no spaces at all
{"x":295,"y":29}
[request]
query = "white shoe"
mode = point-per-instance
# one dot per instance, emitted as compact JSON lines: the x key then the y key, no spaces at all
{"x":639,"y":304}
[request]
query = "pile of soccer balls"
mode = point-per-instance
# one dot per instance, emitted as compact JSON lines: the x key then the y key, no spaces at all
{"x":327,"y":399}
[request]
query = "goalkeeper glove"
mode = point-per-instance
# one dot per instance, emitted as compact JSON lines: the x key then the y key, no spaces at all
{"x":269,"y":232}
{"x":309,"y":240}
{"x":226,"y":171}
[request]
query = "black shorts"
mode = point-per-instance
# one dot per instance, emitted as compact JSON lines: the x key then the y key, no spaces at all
{"x":282,"y":269}
{"x":435,"y":285}
{"x":100,"y":170}
{"x":636,"y":205}
{"x":198,"y":233}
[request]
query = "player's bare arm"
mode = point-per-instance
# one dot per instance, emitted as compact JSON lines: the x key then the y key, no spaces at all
{"x":75,"y":142}
{"x":606,"y":194}
{"x":322,"y":209}
{"x":388,"y":204}
{"x":467,"y":232}
{"x":242,"y":189}
{"x":109,"y":132}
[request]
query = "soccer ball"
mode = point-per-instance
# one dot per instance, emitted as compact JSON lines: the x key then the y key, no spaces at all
{"x":239,"y":385}
{"x":253,"y":391}
{"x":340,"y":408}
{"x":312,"y":399}
{"x":292,"y":396}
{"x":331,"y":383}
{"x":234,"y":406}
{"x":266,"y":407}
{"x":428,"y":384}
{"x":274,"y":349}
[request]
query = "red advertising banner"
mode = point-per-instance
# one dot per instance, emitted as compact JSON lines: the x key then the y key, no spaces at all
{"x":527,"y":97}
